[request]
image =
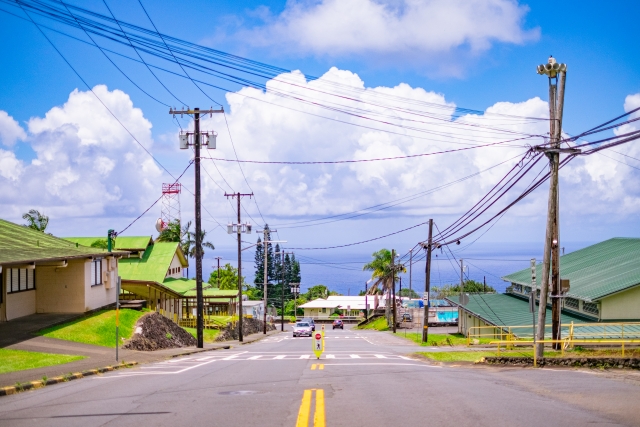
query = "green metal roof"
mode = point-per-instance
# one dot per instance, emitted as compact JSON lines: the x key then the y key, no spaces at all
{"x":507,"y":310}
{"x":153,"y":265}
{"x":187,"y":287}
{"x":22,"y":244}
{"x":132,"y":243}
{"x":595,"y":271}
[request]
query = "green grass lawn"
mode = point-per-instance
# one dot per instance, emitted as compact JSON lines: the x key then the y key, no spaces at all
{"x":19,"y":360}
{"x":438,"y":340}
{"x":97,"y":329}
{"x":209,"y":335}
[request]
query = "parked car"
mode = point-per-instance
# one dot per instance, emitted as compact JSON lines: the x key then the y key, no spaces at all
{"x":302,"y":329}
{"x":406,"y":317}
{"x":338,"y":324}
{"x":311,"y":322}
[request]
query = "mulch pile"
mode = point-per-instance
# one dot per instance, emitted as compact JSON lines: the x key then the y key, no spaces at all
{"x":249,"y":326}
{"x":155,"y":332}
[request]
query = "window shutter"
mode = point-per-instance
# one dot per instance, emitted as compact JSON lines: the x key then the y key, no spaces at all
{"x":23,"y":279}
{"x":15,"y":280}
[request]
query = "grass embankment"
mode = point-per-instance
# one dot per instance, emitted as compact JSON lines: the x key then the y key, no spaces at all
{"x":379,"y":324}
{"x":19,"y":360}
{"x":209,"y":335}
{"x":96,"y":329}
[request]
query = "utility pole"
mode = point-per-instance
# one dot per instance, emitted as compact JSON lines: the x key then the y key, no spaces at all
{"x":283,"y":253}
{"x":410,"y":269}
{"x":239,"y":229}
{"x":427,"y":284}
{"x":211,"y":144}
{"x":557,"y":78}
{"x":461,"y":279}
{"x":218,"y":258}
{"x":266,"y":255}
{"x":393,"y":284}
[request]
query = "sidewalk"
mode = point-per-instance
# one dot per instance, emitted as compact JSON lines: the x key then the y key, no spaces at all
{"x":99,"y":357}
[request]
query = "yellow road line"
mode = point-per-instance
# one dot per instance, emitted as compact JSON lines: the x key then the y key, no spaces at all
{"x":318,"y":419}
{"x":321,"y":366}
{"x":305,"y":409}
{"x":313,"y":367}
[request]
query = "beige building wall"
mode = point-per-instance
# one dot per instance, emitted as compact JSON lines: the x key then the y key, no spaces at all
{"x":621,"y":306}
{"x":176,"y":266}
{"x":100,"y":295}
{"x":61,"y":289}
{"x":21,"y":304}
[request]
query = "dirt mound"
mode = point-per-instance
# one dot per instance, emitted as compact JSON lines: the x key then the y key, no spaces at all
{"x":155,"y":332}
{"x":249,"y":326}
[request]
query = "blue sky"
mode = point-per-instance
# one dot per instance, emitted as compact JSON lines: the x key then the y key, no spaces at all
{"x":596,"y":40}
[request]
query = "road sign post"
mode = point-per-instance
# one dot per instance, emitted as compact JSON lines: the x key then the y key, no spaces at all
{"x":318,"y":344}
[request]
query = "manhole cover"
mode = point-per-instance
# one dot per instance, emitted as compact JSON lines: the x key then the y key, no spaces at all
{"x":237,"y":393}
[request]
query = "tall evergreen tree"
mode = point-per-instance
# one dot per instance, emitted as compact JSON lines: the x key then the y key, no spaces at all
{"x":277,"y":265}
{"x":295,"y":275}
{"x":259,"y":259}
{"x":271,"y":274}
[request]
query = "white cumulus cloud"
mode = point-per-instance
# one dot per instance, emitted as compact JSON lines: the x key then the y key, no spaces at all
{"x":414,"y":30}
{"x":86,"y":164}
{"x":10,"y":130}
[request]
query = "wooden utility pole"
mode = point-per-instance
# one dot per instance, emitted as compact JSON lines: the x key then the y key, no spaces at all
{"x":266,"y":273}
{"x":461,"y":279}
{"x":427,"y":284}
{"x":393,"y":287}
{"x":196,"y":112}
{"x":247,"y":229}
{"x":557,"y":78}
{"x":218,"y":258}
{"x":410,"y":268}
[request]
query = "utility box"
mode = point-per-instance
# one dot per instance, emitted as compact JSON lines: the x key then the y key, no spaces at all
{"x":184,"y":141}
{"x":211,"y":140}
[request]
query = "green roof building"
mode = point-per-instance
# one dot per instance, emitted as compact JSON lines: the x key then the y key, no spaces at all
{"x":154,"y":273}
{"x":40,"y":273}
{"x":604,"y":281}
{"x":604,"y":287}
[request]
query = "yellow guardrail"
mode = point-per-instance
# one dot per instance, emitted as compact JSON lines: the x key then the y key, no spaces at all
{"x":616,"y":330}
{"x":566,"y":343}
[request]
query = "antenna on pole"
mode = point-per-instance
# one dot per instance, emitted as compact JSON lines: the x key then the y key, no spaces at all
{"x":170,"y":210}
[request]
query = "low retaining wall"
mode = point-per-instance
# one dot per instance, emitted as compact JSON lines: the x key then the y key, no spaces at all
{"x":587,"y":362}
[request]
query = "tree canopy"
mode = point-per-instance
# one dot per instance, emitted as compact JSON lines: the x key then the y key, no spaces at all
{"x":381,"y":267}
{"x":228,"y":278}
{"x":36,"y":220}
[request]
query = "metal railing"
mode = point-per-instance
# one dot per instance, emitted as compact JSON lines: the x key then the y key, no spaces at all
{"x":574,"y":331}
{"x":566,"y":343}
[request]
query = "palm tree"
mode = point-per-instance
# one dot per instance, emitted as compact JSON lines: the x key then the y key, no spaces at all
{"x":183,"y":234}
{"x":382,"y":267}
{"x":36,"y":220}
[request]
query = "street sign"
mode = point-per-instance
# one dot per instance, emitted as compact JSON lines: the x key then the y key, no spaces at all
{"x":318,"y":345}
{"x":425,"y":296}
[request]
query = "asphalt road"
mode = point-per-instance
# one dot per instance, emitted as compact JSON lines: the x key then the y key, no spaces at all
{"x":363,"y":378}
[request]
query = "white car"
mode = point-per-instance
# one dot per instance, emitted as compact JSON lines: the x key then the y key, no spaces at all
{"x":302,"y":329}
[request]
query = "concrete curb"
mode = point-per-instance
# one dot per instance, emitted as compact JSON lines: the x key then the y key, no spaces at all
{"x":5,"y":391}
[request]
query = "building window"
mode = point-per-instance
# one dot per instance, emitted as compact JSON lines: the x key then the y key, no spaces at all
{"x":527,"y":290}
{"x":571,"y":303}
{"x":96,"y":272}
{"x":517,"y":288}
{"x":590,"y":307}
{"x":20,"y":280}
